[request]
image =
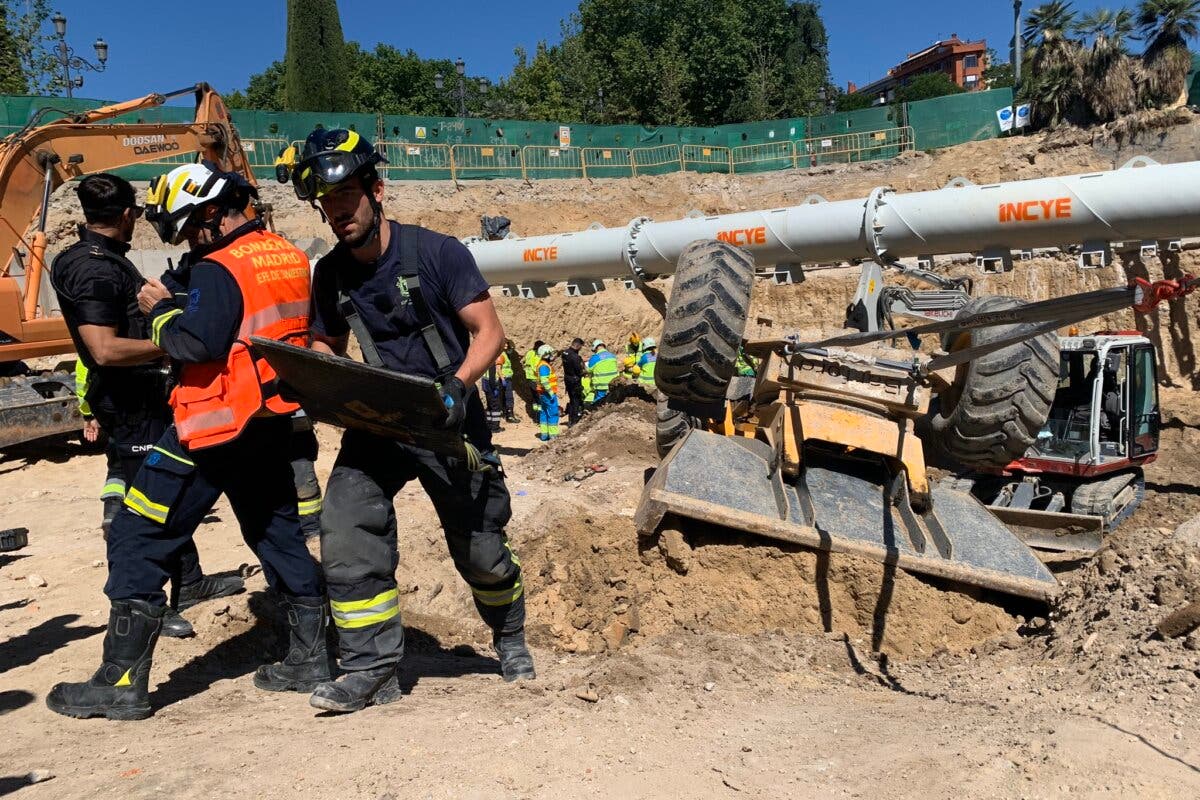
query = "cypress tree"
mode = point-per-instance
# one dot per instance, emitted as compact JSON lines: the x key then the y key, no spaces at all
{"x":316,"y":76}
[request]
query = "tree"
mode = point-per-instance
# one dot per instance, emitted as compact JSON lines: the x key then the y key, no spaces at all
{"x":853,"y":101}
{"x":1055,"y":65}
{"x":315,"y":74}
{"x":537,"y":85}
{"x":37,"y":66}
{"x":1108,"y":87}
{"x":926,"y":87}
{"x":1165,"y":26}
{"x":12,"y":75}
{"x":681,"y":62}
{"x":1053,"y":18}
{"x":997,"y":74}
{"x":265,"y":91}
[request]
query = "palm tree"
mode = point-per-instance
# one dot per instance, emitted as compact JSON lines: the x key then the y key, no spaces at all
{"x":1165,"y":26}
{"x":1055,"y":64}
{"x":1105,"y":27}
{"x":1056,"y":17}
{"x":1108,"y":86}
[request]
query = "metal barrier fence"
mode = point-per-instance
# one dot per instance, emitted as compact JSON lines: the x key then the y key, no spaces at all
{"x":705,"y":158}
{"x":608,"y":162}
{"x":553,"y":162}
{"x":657,"y":160}
{"x":408,"y":160}
{"x":261,"y":153}
{"x":416,"y":160}
{"x":487,"y":161}
{"x":887,"y":143}
{"x":835,"y":149}
{"x":762,"y":157}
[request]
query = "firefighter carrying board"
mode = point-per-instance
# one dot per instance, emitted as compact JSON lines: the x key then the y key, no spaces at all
{"x":349,"y":394}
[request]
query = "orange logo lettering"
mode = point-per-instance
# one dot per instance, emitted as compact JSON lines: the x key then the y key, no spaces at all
{"x":540,"y":254}
{"x":1034,"y":210}
{"x":740,"y":236}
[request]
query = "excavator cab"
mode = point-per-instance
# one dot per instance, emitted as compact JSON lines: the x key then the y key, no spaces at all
{"x":1084,"y":471}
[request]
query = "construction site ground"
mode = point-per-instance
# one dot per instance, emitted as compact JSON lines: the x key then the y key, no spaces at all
{"x":696,"y":664}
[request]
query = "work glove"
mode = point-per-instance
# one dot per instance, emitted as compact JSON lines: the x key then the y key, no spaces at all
{"x":453,"y":396}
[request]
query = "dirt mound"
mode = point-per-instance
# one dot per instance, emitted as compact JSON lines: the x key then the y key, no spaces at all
{"x":1104,"y":621}
{"x":594,"y":583}
{"x":617,"y":432}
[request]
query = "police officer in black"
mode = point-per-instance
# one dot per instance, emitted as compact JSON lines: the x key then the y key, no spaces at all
{"x":573,"y":372}
{"x":97,"y":290}
{"x":417,"y":304}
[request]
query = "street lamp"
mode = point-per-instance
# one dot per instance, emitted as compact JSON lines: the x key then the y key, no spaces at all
{"x":462,"y":90}
{"x":68,"y":60}
{"x":1016,"y":51}
{"x":600,"y":94}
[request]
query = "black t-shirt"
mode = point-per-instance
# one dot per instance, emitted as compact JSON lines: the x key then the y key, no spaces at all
{"x":450,"y":281}
{"x":97,"y":285}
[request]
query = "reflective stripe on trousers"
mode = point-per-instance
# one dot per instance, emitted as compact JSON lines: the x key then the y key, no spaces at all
{"x":309,"y":507}
{"x":499,"y":597}
{"x":361,"y":613}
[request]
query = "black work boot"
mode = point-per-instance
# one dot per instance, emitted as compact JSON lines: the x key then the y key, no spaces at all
{"x":111,"y":506}
{"x":175,"y":626}
{"x":209,"y":587}
{"x":516,"y":662}
{"x":120,"y":689}
{"x":355,"y":691}
{"x":308,"y":661}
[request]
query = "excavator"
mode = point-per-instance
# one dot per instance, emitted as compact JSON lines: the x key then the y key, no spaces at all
{"x":826,"y":446}
{"x":34,"y":162}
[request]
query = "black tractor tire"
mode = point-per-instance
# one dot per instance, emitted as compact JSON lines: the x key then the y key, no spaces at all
{"x":999,"y":401}
{"x":706,"y":319}
{"x":670,"y":426}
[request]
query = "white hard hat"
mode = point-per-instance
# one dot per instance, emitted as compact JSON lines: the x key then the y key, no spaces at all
{"x":174,"y":197}
{"x":649,"y":342}
{"x":545,"y":351}
{"x":597,"y":343}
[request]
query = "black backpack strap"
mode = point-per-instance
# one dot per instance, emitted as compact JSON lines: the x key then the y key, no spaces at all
{"x":350,"y":313}
{"x":410,"y":264}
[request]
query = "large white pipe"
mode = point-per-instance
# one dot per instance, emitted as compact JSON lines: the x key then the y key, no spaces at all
{"x":1133,"y":204}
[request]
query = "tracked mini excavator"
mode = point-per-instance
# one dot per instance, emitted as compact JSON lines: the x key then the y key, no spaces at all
{"x":826,"y":445}
{"x":34,"y":162}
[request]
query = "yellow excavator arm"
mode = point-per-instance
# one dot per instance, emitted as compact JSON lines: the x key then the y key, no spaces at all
{"x":38,"y":159}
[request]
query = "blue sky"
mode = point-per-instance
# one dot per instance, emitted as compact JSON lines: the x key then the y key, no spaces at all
{"x":161,"y":46}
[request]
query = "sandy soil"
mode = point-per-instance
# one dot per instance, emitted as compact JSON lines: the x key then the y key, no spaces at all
{"x":698,"y":664}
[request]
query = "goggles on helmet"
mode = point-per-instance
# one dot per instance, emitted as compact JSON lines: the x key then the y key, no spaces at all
{"x":315,"y":176}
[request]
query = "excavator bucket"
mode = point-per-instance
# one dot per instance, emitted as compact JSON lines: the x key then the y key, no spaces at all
{"x":842,"y":506}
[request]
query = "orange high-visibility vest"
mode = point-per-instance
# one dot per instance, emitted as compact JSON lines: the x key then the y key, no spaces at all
{"x":548,"y":383}
{"x":216,"y":399}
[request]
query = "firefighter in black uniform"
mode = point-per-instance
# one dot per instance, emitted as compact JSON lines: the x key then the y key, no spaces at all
{"x":418,"y":304}
{"x":126,"y":383}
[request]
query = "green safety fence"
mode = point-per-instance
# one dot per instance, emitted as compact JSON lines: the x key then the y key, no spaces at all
{"x":957,"y":118}
{"x":439,"y":148}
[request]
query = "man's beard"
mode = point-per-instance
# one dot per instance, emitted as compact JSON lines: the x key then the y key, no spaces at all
{"x":363,"y":239}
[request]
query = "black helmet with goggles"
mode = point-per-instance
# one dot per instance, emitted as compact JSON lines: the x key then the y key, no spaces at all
{"x":327,"y":158}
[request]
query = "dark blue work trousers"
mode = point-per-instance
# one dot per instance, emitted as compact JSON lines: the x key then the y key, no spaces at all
{"x":176,"y":488}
